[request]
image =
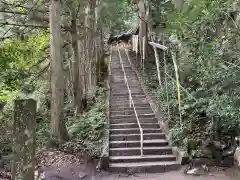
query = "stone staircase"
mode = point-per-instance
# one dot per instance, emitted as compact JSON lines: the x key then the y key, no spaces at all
{"x":124,"y":141}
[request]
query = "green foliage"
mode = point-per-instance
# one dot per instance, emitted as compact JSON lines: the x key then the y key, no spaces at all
{"x":87,"y":132}
{"x":17,"y":57}
{"x":208,"y":56}
{"x":118,"y":15}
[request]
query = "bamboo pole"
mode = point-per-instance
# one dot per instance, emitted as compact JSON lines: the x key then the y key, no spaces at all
{"x":166,"y":81}
{"x":158,"y":66}
{"x":178,"y":85}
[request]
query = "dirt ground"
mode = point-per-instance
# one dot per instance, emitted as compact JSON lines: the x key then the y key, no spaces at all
{"x":71,"y":173}
{"x":60,"y":166}
{"x":229,"y":174}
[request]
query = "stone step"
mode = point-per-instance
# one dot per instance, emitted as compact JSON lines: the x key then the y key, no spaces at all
{"x":126,"y":94}
{"x":134,"y":131}
{"x":136,"y":151}
{"x":145,"y":105}
{"x":126,"y":67}
{"x":144,"y":167}
{"x":136,"y":137}
{"x":146,"y":143}
{"x":120,"y":76}
{"x":129,"y":75}
{"x":130,"y":112}
{"x":133,"y":95}
{"x":130,"y":80}
{"x":133,"y":120}
{"x":140,"y":116}
{"x":130,"y":109}
{"x":119,"y":69}
{"x":133,"y":87}
{"x":126,"y":99}
{"x":120,"y":79}
{"x":120,"y":72}
{"x":134,"y":125}
{"x":146,"y":158}
{"x":125,"y":91}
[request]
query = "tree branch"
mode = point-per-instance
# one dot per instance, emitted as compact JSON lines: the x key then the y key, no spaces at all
{"x":23,"y":25}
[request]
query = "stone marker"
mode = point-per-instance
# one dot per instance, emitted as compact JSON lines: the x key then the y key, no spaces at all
{"x":24,"y":139}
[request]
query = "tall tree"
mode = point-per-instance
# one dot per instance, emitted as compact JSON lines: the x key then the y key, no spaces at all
{"x":90,"y":48}
{"x":58,"y":128}
{"x":77,"y":83}
{"x":142,"y":30}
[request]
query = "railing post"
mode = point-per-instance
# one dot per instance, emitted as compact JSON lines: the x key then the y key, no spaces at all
{"x":141,"y":134}
{"x":130,"y":101}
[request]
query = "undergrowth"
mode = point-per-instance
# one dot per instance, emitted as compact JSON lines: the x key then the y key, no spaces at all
{"x":86,"y":133}
{"x":206,"y":39}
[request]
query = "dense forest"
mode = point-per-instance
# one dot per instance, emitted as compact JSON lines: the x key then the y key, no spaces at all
{"x":56,"y":53}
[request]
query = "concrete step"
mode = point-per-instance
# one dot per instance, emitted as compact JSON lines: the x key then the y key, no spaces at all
{"x":130,"y":83}
{"x":121,"y":76}
{"x":136,"y":137}
{"x":127,"y":104}
{"x":134,"y":131}
{"x":140,"y":116}
{"x":127,"y":97}
{"x":134,"y":125}
{"x":146,"y":158}
{"x":125,"y":91}
{"x":120,"y":73}
{"x":146,"y":143}
{"x":123,"y":87}
{"x":126,"y":66}
{"x":133,"y":95}
{"x":133,"y":120}
{"x":118,"y":69}
{"x":126,"y":94}
{"x":145,"y":105}
{"x":131,"y":112}
{"x":144,"y":167}
{"x":130,"y":109}
{"x":136,"y":151}
{"x":120,"y":79}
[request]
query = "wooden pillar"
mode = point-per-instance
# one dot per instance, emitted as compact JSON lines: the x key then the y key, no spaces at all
{"x":24,"y":139}
{"x":142,"y":30}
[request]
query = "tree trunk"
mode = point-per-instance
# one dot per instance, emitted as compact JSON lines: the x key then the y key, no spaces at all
{"x":90,"y":48}
{"x":58,"y":128}
{"x":142,"y":31}
{"x":77,"y":83}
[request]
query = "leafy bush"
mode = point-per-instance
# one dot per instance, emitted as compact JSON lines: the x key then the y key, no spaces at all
{"x":87,"y":132}
{"x":208,"y":55}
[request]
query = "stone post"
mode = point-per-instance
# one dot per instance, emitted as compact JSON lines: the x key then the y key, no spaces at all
{"x":24,"y":139}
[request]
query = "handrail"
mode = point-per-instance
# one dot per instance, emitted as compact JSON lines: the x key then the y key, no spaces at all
{"x":157,"y":45}
{"x":131,"y":102}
